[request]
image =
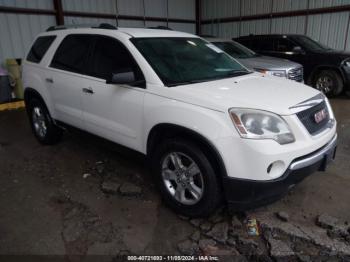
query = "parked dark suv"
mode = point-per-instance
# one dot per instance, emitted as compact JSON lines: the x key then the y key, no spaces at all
{"x":325,"y":69}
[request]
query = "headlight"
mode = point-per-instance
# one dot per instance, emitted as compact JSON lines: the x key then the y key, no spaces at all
{"x":257,"y":124}
{"x":278,"y":73}
{"x":347,"y":63}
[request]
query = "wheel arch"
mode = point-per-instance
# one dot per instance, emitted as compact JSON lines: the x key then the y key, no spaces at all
{"x":320,"y":68}
{"x":30,"y":93}
{"x":166,"y":130}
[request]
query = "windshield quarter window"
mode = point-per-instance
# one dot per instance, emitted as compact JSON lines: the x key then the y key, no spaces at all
{"x":39,"y":48}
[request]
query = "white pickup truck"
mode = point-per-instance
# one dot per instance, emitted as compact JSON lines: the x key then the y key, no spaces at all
{"x":213,"y":130}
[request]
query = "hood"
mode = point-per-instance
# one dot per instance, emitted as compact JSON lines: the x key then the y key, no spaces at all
{"x":254,"y":91}
{"x":269,"y":63}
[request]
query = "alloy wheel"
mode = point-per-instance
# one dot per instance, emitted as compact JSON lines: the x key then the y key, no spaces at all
{"x":324,"y":84}
{"x":182,"y":178}
{"x":39,"y":122}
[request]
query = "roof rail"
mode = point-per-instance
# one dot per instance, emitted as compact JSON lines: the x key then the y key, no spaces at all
{"x":106,"y":26}
{"x":54,"y":28}
{"x":162,"y":27}
{"x":99,"y":26}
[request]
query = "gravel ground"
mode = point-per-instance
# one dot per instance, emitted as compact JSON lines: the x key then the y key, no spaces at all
{"x":86,"y":196}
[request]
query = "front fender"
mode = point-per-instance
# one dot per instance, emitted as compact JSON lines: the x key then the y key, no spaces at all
{"x":208,"y":123}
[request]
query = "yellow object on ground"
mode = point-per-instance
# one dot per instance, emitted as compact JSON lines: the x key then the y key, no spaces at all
{"x":12,"y":105}
{"x":14,"y":70}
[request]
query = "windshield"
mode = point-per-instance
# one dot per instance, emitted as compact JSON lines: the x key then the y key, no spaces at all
{"x":179,"y":61}
{"x":235,"y":50}
{"x":310,"y":44}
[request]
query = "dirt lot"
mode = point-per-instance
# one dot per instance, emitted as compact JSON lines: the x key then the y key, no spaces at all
{"x":86,"y":196}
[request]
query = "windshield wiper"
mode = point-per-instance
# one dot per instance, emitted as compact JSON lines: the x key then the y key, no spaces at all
{"x":230,"y":74}
{"x":237,"y":73}
{"x":186,"y":83}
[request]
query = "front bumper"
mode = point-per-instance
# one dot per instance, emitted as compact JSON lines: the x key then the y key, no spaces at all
{"x":242,"y":194}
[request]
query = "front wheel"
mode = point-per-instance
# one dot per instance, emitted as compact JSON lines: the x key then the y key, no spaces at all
{"x":186,"y":178}
{"x":329,"y":82}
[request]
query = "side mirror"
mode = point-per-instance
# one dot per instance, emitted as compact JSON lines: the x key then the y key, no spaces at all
{"x":126,"y":78}
{"x":298,"y":50}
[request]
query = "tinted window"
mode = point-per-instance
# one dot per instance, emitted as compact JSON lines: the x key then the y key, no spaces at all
{"x":263,"y":44}
{"x":246,"y":42}
{"x":72,"y":53}
{"x":284,"y":45}
{"x":110,"y":57}
{"x":39,"y":48}
{"x":310,"y":44}
{"x":235,"y":50}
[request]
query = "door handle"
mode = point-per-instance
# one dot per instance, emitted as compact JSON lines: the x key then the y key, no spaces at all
{"x":88,"y":90}
{"x":49,"y":80}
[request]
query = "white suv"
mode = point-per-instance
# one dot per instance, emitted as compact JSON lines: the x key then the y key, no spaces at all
{"x":212,"y":129}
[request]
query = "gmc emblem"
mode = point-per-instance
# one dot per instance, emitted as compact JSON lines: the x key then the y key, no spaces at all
{"x":320,"y":115}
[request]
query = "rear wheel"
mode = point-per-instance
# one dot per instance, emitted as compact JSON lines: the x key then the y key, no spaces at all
{"x":186,"y":178}
{"x":328,"y":82}
{"x":42,"y":124}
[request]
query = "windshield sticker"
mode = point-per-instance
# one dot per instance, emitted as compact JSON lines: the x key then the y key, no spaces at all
{"x":214,"y":48}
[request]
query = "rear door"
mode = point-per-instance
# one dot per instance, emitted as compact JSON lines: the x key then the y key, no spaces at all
{"x":263,"y":45}
{"x":67,"y":77}
{"x":113,"y":111}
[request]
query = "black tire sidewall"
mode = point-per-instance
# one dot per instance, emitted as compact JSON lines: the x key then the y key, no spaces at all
{"x":212,"y":193}
{"x":337,"y":81}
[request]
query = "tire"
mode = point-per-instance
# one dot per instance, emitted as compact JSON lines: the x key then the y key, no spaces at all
{"x":328,"y":82}
{"x":43,"y":127}
{"x":197,"y":204}
{"x":347,"y":93}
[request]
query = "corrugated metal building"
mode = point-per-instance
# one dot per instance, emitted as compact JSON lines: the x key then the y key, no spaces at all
{"x":22,"y":20}
{"x":18,"y":27}
{"x":318,"y":19}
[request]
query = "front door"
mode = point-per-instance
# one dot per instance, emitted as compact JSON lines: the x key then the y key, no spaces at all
{"x":285,"y":48}
{"x":113,"y":111}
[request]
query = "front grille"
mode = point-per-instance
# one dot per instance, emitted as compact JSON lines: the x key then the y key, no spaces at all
{"x":307,"y":117}
{"x":296,"y":74}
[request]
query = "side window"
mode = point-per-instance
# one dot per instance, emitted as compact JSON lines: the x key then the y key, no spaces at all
{"x":72,"y":53}
{"x":246,"y":43}
{"x":284,"y":45}
{"x":254,"y":44}
{"x":39,"y":48}
{"x":109,"y":57}
{"x":264,"y":44}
